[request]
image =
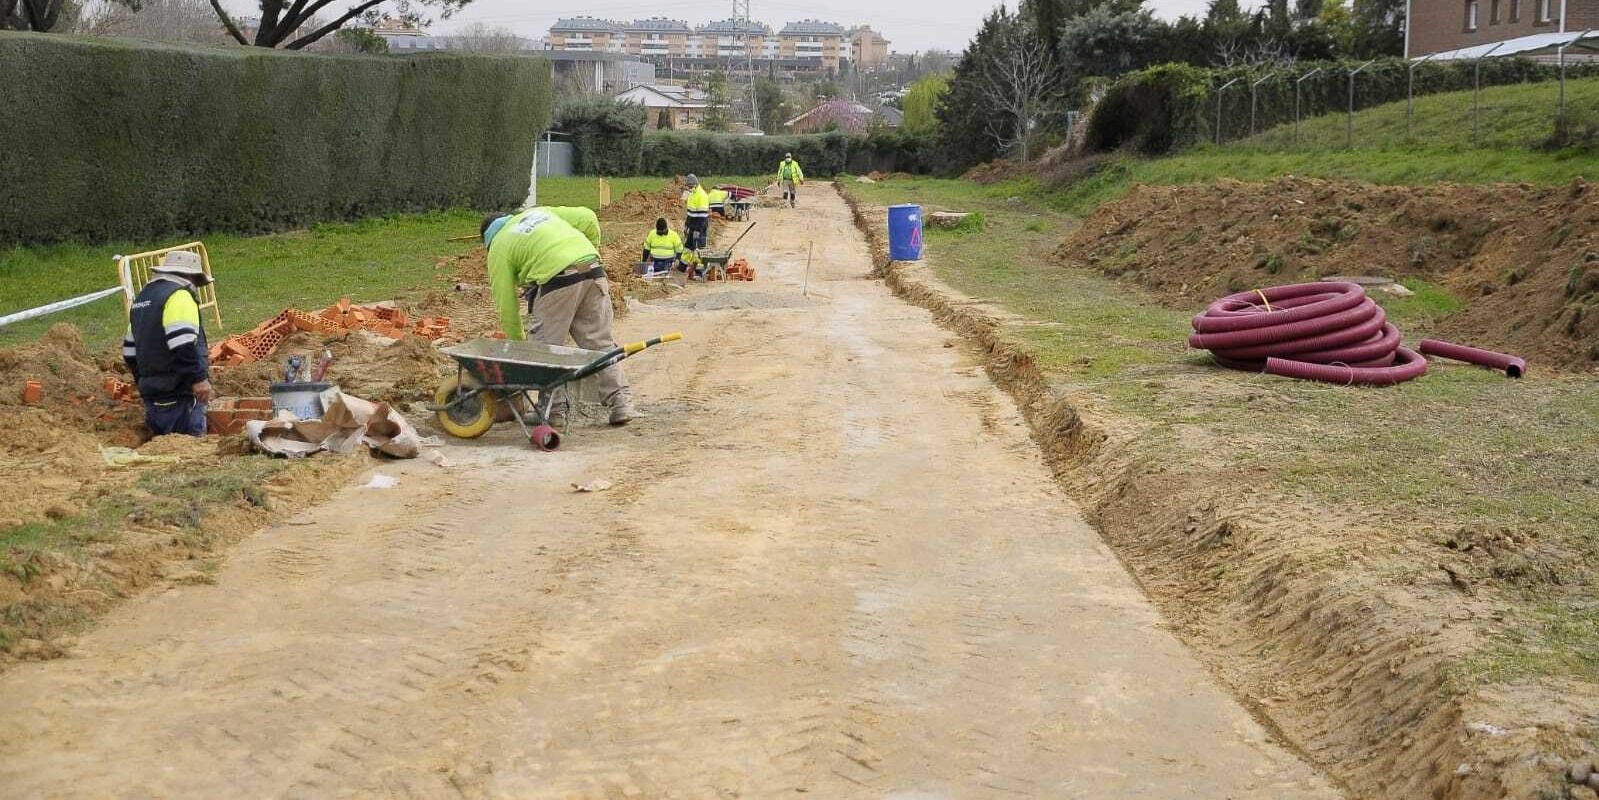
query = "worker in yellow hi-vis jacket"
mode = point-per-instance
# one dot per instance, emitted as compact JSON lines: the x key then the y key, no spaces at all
{"x":791,"y":177}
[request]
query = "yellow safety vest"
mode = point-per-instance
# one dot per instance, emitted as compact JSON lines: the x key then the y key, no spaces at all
{"x":664,"y":245}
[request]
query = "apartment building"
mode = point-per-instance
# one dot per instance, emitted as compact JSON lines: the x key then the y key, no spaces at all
{"x":806,"y":46}
{"x":867,"y":48}
{"x":813,"y":40}
{"x":588,"y":34}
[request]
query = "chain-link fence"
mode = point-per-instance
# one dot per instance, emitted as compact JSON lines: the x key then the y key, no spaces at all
{"x":1477,"y":103}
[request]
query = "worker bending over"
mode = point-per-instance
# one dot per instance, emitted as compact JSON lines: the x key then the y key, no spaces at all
{"x":718,"y":198}
{"x":662,"y":248}
{"x":697,"y":229}
{"x":165,"y":348}
{"x":791,"y":177}
{"x":554,"y":252}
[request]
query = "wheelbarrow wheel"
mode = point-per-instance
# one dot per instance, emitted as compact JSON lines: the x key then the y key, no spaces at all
{"x":470,"y":418}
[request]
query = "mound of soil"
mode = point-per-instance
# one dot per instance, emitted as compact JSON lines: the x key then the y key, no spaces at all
{"x":1523,"y":260}
{"x":995,"y":171}
{"x":364,"y":364}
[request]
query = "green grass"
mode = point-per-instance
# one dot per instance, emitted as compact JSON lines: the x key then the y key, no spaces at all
{"x":176,"y":498}
{"x":1509,"y":117}
{"x":1462,"y":447}
{"x":1394,"y":166}
{"x":257,"y":276}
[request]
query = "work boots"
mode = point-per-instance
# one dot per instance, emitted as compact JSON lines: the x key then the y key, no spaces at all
{"x":621,"y":406}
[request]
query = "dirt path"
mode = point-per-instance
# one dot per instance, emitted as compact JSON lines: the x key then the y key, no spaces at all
{"x":832,"y":564}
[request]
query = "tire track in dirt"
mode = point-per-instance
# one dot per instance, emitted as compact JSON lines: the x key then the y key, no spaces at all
{"x":829,"y":564}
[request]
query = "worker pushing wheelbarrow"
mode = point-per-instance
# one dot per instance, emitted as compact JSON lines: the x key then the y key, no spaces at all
{"x":492,"y":373}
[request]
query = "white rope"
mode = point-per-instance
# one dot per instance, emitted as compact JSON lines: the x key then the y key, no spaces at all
{"x":60,"y":305}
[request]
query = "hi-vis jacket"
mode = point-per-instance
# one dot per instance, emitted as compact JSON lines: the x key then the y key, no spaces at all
{"x":664,"y":245}
{"x":165,"y":346}
{"x":789,"y":170}
{"x":535,"y":246}
{"x":698,"y":203}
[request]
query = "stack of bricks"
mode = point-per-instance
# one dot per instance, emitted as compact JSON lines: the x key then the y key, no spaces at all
{"x":121,"y":391}
{"x":740,"y":270}
{"x":341,"y":317}
{"x":228,"y":415}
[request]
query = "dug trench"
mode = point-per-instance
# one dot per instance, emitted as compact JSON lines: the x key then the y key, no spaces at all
{"x":1333,"y":625}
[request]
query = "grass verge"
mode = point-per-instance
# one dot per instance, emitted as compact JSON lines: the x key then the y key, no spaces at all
{"x":257,"y":276}
{"x":1367,"y":562}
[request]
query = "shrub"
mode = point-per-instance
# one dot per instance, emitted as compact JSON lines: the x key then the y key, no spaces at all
{"x":607,"y":137}
{"x":117,"y":140}
{"x":681,"y":152}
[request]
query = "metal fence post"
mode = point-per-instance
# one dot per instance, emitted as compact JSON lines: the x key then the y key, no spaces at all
{"x":1253,"y":87}
{"x":1560,"y":113}
{"x":1410,"y":96}
{"x":1219,"y":92}
{"x":1349,"y":134}
{"x":1297,"y":83}
{"x":1476,"y":90}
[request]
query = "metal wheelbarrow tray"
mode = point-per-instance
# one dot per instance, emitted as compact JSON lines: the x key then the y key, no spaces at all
{"x":495,"y":372}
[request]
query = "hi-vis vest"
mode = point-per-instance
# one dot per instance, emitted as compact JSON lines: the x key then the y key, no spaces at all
{"x":664,"y":245}
{"x":698,"y":204}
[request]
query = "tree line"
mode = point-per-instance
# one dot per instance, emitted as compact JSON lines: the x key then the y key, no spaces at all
{"x":1009,"y":93}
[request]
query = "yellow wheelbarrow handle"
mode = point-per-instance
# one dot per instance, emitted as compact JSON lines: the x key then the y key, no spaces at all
{"x":635,"y":347}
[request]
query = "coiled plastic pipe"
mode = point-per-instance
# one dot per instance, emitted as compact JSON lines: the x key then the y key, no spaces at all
{"x":1327,"y":332}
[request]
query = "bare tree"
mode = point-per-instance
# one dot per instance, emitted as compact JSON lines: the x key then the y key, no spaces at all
{"x":157,"y":20}
{"x":1021,"y":81}
{"x":481,"y":38}
{"x":1241,"y":51}
{"x":37,"y":15}
{"x":282,"y":20}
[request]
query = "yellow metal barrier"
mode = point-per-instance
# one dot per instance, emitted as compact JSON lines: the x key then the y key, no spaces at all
{"x":134,"y":272}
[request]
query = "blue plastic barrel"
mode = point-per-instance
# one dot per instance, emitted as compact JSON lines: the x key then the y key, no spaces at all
{"x":905,"y":232}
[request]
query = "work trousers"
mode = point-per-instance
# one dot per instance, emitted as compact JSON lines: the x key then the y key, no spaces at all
{"x":790,"y":192}
{"x":697,"y":230}
{"x":175,"y":416}
{"x":583,"y":312}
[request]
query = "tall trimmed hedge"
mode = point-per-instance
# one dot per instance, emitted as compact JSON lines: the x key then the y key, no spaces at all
{"x":681,"y":152}
{"x":103,"y":140}
{"x":1166,"y":107}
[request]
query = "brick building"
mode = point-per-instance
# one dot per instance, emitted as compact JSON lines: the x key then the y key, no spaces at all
{"x":867,"y":48}
{"x":1441,"y":25}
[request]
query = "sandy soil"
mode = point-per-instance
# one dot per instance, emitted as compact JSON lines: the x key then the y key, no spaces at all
{"x":832,"y":563}
{"x":1522,"y":260}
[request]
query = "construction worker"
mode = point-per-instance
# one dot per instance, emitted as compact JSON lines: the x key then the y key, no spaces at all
{"x":662,"y":248}
{"x":554,"y":251}
{"x":165,"y":348}
{"x":791,"y":177}
{"x":718,"y":198}
{"x":697,"y":229}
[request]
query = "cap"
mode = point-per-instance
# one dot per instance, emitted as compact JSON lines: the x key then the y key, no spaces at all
{"x":183,"y":263}
{"x":691,"y":180}
{"x":788,"y":155}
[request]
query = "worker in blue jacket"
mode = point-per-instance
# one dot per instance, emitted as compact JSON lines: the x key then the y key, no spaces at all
{"x":165,"y":348}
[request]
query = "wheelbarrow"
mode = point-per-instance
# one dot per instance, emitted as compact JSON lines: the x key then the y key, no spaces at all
{"x":491,"y":373}
{"x":715,"y":261}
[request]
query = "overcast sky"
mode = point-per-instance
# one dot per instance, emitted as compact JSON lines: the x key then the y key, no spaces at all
{"x":907,"y":24}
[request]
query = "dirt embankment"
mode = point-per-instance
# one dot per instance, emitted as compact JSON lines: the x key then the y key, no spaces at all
{"x":93,"y":532}
{"x":1285,"y":598}
{"x":1522,"y":260}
